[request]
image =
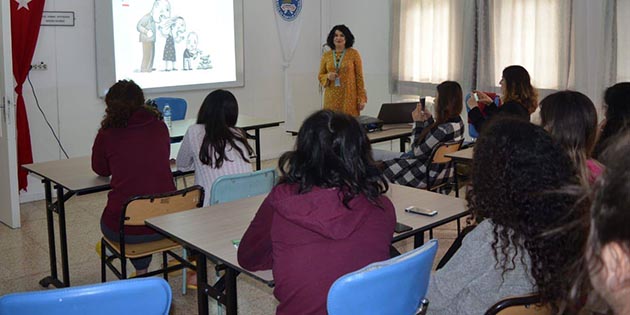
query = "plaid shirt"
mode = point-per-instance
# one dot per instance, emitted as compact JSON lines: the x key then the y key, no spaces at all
{"x":412,"y":171}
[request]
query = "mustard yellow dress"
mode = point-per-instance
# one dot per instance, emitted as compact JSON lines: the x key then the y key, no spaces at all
{"x":347,"y":97}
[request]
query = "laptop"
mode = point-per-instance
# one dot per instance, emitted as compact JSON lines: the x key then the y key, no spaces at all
{"x":397,"y":113}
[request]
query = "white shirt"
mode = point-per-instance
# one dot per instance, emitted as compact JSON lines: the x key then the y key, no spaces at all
{"x":188,"y":160}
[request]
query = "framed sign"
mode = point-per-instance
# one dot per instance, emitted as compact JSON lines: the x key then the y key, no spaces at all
{"x":58,"y":18}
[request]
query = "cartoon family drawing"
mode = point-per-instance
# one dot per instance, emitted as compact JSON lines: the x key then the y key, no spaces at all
{"x":173,"y":29}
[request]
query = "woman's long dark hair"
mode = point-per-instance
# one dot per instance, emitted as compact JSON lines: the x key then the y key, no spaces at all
{"x":122,"y":100}
{"x":518,"y":172}
{"x":218,"y":113}
{"x":611,"y":204}
{"x":571,"y":119}
{"x":333,"y":151}
{"x":519,"y":88}
{"x":617,"y":98}
{"x":449,"y":106}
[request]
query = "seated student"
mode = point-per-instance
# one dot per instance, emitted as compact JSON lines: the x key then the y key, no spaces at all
{"x":328,"y":215}
{"x":617,"y":99}
{"x":519,"y":98}
{"x":608,"y":252}
{"x":516,"y":168}
{"x":133,"y":147}
{"x":571,"y":119}
{"x":411,"y":168}
{"x":214,"y":146}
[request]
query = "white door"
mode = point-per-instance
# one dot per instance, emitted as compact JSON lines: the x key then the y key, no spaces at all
{"x":9,"y":197}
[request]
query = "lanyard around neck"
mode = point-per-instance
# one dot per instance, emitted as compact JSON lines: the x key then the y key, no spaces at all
{"x":338,"y":62}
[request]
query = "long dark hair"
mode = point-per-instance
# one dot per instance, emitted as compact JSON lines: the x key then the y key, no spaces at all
{"x":122,"y":100}
{"x":333,"y":151}
{"x":571,"y":119}
{"x":519,"y":88}
{"x":617,"y":98}
{"x":611,"y":203}
{"x":449,"y":106}
{"x":517,"y":172}
{"x":330,"y":40}
{"x":218,"y":114}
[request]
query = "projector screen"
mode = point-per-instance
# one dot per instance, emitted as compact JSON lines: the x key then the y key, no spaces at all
{"x":169,"y":45}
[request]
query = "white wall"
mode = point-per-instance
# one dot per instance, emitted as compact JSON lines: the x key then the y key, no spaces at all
{"x":67,"y":90}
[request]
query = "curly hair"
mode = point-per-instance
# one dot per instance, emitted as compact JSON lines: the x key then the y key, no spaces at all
{"x":518,"y":88}
{"x":517,"y":173}
{"x":333,"y":151}
{"x":122,"y":100}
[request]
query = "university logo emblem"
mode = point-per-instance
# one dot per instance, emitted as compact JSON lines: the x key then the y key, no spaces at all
{"x":288,"y":9}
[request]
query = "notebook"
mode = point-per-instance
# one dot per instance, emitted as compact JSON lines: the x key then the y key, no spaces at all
{"x":397,"y":113}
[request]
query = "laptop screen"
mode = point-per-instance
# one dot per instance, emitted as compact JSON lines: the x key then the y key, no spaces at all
{"x":397,"y":113}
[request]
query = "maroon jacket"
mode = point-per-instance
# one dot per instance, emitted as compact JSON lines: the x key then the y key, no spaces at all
{"x":138,"y":159}
{"x":310,"y":240}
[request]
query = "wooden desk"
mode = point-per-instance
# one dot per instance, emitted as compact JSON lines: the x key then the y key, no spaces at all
{"x":388,"y":132}
{"x":68,"y":177}
{"x":247,"y":123}
{"x":465,"y":155}
{"x":392,"y":132}
{"x":210,"y":231}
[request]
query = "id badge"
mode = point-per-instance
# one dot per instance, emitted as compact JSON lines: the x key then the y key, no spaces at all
{"x":337,"y":82}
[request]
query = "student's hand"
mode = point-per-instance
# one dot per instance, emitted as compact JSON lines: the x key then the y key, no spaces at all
{"x":332,"y":76}
{"x":420,"y":115}
{"x":472,"y":103}
{"x":149,"y":33}
{"x":483,"y":97}
{"x":361,"y":106}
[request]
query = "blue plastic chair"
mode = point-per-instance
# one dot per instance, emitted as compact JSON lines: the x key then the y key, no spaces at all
{"x":178,"y":106}
{"x":394,"y":286}
{"x":150,"y":296}
{"x":232,"y":187}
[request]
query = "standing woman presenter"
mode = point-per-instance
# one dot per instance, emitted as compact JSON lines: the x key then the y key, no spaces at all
{"x":341,"y":73}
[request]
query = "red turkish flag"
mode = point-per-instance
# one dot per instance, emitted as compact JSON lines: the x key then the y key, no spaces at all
{"x":26,"y":17}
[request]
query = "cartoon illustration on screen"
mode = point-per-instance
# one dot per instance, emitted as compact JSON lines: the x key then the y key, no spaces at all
{"x":191,"y":51}
{"x":173,"y":29}
{"x":146,"y":27}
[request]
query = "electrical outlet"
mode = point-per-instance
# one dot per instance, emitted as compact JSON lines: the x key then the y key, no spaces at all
{"x":39,"y":66}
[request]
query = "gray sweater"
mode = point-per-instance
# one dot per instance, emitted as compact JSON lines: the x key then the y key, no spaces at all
{"x":470,"y":282}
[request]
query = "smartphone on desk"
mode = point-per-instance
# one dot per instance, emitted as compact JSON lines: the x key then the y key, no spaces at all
{"x":421,"y":211}
{"x":401,"y":227}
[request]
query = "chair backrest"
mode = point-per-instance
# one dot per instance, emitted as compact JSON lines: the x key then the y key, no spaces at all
{"x":237,"y":186}
{"x":520,"y":305}
{"x":151,"y":296}
{"x":394,"y":286}
{"x":178,"y":106}
{"x":438,"y":155}
{"x":140,"y":208}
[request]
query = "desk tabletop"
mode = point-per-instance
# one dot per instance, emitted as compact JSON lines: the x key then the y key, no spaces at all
{"x":245,"y":122}
{"x":462,"y":155}
{"x":390,"y":132}
{"x":210,"y":230}
{"x":76,"y":175}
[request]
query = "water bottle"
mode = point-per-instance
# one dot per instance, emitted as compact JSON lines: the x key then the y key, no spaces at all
{"x":167,"y":116}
